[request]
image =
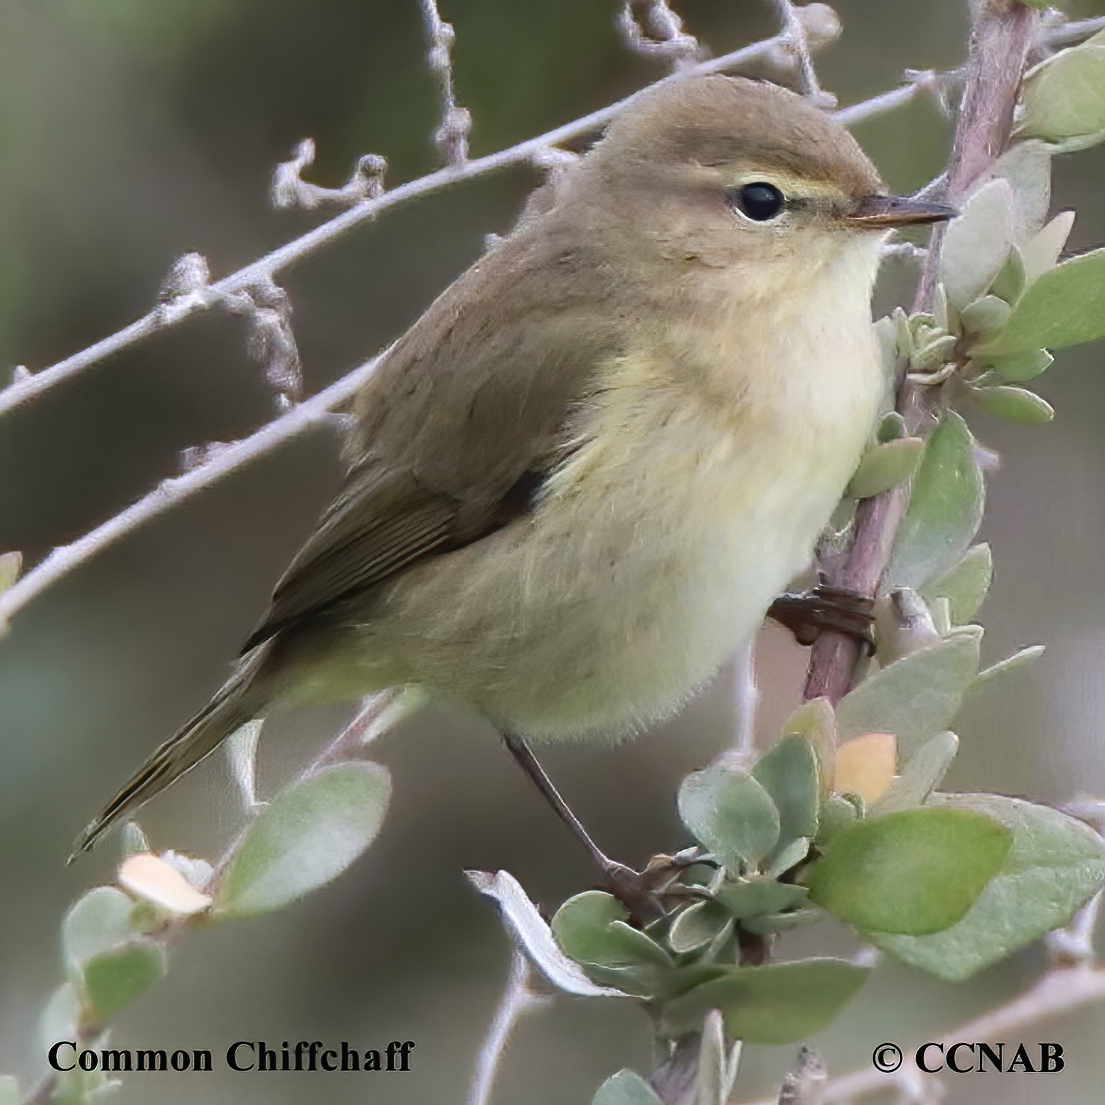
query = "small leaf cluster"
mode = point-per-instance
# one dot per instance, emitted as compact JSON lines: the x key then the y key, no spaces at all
{"x":841,"y":817}
{"x":1004,"y":298}
{"x":114,"y":938}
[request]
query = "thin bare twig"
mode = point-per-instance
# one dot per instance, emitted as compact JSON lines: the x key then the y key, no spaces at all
{"x":311,"y":413}
{"x":27,"y":387}
{"x":451,"y":137}
{"x":746,"y":697}
{"x":657,"y":32}
{"x":517,"y":1000}
{"x":796,"y":43}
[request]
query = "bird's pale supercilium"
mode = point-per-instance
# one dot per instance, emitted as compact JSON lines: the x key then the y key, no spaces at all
{"x":579,"y":479}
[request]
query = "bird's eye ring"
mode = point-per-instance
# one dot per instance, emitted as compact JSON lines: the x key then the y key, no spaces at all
{"x":758,"y":201}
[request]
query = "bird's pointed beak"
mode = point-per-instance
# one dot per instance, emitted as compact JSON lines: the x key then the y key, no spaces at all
{"x":887,"y":212}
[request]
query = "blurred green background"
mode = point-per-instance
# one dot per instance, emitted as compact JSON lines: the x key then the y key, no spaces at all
{"x":135,"y":130}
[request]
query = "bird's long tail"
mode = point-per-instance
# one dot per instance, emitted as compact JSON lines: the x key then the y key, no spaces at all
{"x":239,"y":700}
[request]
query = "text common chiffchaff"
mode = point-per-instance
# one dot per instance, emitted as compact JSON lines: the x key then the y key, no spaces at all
{"x":579,"y":479}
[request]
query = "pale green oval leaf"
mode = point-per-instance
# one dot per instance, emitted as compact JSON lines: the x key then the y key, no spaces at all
{"x":1064,"y":96}
{"x":1041,"y":252}
{"x":1011,"y":280}
{"x":114,"y":978}
{"x":966,"y":585}
{"x":532,"y":934}
{"x":97,"y":922}
{"x":985,"y":315}
{"x":788,"y":771}
{"x":1018,"y":367}
{"x":730,"y":813}
{"x":816,"y":721}
{"x":778,"y":1004}
{"x":945,"y":508}
{"x":836,"y":813}
{"x":769,"y":923}
{"x":920,"y":776}
{"x":591,"y":928}
{"x":697,"y":925}
{"x":1027,"y":167}
{"x":745,"y":898}
{"x":915,"y":871}
{"x":884,"y":466}
{"x":1013,"y":404}
{"x":304,"y":838}
{"x":1053,"y":868}
{"x":61,"y":1017}
{"x":1063,"y":306}
{"x":1021,"y":659}
{"x":977,"y":242}
{"x":934,"y":353}
{"x":914,"y":698}
{"x":626,"y":1087}
{"x":891,"y":427}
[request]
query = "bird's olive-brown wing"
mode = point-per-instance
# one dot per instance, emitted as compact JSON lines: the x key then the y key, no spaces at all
{"x":454,"y":433}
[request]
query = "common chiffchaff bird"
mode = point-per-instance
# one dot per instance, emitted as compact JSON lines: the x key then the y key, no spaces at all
{"x":579,"y":479}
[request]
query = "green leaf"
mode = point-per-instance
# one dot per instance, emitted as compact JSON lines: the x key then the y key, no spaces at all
{"x":769,"y":923}
{"x":786,"y":856}
{"x":816,"y":722}
{"x":1011,"y":280}
{"x":915,"y":871}
{"x":966,"y":585}
{"x":758,"y":895}
{"x":891,"y":427}
{"x":836,"y":813}
{"x":1013,"y":404}
{"x":1063,"y":306}
{"x":884,"y":466}
{"x":1027,"y":167}
{"x":133,"y":841}
{"x":531,"y":932}
{"x":697,"y":925}
{"x":777,"y":1004}
{"x":1018,"y":367}
{"x":1064,"y":97}
{"x":934,"y":353}
{"x":985,"y":315}
{"x":920,"y":776}
{"x":945,"y":508}
{"x":97,"y":922}
{"x":591,"y":928}
{"x":1053,"y":868}
{"x":1041,"y":252}
{"x":788,"y":771}
{"x":730,"y":813}
{"x":114,"y":978}
{"x":626,"y":1088}
{"x":977,"y":242}
{"x":1023,"y":658}
{"x":60,"y":1019}
{"x":305,"y":838}
{"x":915,"y":697}
{"x":718,"y":1063}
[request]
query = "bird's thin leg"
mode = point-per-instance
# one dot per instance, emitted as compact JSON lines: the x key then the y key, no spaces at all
{"x":623,"y":882}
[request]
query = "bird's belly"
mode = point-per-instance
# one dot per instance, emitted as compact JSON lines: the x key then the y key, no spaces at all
{"x":641,"y":571}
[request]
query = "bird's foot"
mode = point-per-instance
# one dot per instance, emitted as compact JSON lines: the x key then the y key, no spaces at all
{"x":824,"y":607}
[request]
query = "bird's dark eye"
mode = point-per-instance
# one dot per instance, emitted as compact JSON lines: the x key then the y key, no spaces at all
{"x":759,"y":201}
